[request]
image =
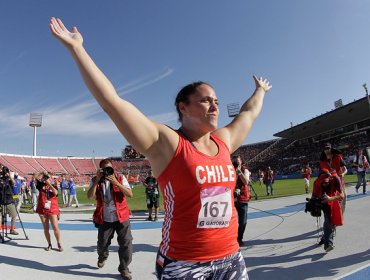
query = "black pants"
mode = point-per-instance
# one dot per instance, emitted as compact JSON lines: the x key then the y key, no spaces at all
{"x":124,"y":239}
{"x":242,"y":209}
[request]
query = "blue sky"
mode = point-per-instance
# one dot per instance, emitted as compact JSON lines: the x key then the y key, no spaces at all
{"x":313,"y":53}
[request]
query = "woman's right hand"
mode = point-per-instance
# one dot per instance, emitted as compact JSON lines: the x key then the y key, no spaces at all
{"x":70,"y":39}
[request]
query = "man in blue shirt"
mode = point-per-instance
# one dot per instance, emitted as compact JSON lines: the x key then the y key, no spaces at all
{"x":17,"y":191}
{"x":72,"y":193}
{"x":64,"y":185}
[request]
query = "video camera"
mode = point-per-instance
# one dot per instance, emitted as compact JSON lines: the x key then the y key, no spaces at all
{"x":4,"y":172}
{"x":314,"y":206}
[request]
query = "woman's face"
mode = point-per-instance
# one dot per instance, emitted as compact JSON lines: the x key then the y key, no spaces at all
{"x":202,"y":109}
{"x":327,"y":151}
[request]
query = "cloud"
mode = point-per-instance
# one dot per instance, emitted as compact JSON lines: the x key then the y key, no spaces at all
{"x":81,"y":119}
{"x":144,"y":81}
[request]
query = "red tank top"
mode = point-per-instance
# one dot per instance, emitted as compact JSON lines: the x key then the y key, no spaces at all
{"x":200,"y":218}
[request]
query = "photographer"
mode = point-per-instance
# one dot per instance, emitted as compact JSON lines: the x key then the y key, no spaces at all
{"x":48,"y":208}
{"x":112,"y":215}
{"x":332,"y":160}
{"x":327,"y":189}
{"x":242,"y":196}
{"x":6,"y":199}
{"x":152,"y":195}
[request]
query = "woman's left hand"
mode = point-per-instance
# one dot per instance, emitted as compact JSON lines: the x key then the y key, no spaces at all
{"x":262,"y":83}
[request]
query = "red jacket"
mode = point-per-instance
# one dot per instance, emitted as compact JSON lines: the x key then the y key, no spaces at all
{"x":244,"y":196}
{"x":336,"y":164}
{"x":123,"y":212}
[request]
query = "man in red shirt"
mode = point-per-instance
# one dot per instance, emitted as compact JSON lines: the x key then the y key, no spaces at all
{"x":306,"y":174}
{"x":242,"y":196}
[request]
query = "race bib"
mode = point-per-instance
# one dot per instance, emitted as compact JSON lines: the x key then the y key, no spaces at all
{"x":216,"y":208}
{"x":47,"y":204}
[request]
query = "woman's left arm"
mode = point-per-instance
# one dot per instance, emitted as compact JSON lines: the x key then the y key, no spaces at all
{"x":235,"y":133}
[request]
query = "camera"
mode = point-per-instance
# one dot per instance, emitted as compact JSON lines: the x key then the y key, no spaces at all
{"x":314,"y":206}
{"x":107,"y":171}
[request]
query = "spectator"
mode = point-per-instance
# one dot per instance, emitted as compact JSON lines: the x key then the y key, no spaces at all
{"x":17,"y":191}
{"x":152,"y":196}
{"x":34,"y":192}
{"x":306,"y":174}
{"x":64,"y":185}
{"x":72,"y":193}
{"x":269,"y":181}
{"x":360,"y":163}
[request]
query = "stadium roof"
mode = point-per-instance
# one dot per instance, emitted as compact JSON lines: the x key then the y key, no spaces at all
{"x":351,"y":113}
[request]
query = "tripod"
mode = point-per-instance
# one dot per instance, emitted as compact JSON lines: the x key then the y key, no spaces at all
{"x":4,"y":211}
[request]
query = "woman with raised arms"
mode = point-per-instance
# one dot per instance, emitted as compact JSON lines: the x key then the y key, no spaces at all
{"x":192,"y":164}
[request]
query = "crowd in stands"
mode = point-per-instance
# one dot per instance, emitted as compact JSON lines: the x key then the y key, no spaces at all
{"x":131,"y":153}
{"x":285,"y":157}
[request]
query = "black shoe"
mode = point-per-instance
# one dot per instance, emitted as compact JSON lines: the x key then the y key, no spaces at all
{"x":155,"y":218}
{"x":101,"y":263}
{"x":328,"y":247}
{"x":149,"y":218}
{"x":126,"y":275}
{"x":320,"y":243}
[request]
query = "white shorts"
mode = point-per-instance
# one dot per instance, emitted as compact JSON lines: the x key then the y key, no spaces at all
{"x":306,"y":181}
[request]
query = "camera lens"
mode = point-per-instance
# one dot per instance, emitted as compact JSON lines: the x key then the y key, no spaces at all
{"x":108,"y":171}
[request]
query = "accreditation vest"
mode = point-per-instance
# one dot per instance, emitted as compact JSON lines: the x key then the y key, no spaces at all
{"x":123,"y":212}
{"x":200,"y":221}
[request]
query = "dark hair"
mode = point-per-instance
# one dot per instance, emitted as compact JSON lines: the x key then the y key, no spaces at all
{"x":104,"y":162}
{"x":235,"y":160}
{"x":333,"y":151}
{"x":185,"y":92}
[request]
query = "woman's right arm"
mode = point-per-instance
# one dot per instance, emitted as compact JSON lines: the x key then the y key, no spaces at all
{"x":143,"y":134}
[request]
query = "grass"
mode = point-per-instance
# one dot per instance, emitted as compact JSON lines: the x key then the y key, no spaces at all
{"x":282,"y":188}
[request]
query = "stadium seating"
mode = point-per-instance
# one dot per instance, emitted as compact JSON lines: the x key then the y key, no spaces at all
{"x":67,"y":165}
{"x":84,"y":165}
{"x":31,"y":161}
{"x":51,"y":165}
{"x":20,"y":165}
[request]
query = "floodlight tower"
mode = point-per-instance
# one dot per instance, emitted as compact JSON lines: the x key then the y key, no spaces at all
{"x":233,"y":109}
{"x":35,"y":121}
